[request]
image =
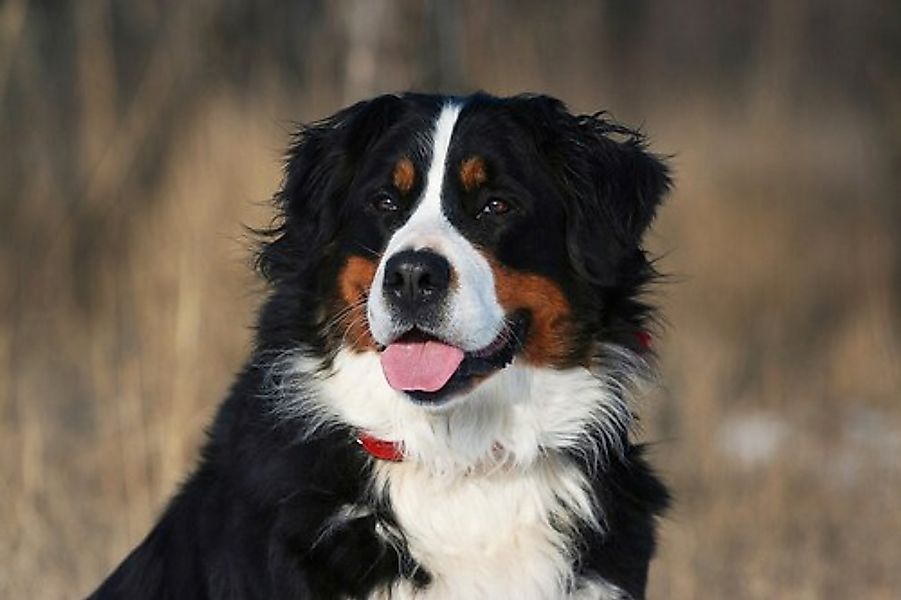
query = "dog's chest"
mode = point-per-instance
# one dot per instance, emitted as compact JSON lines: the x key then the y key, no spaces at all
{"x":502,"y":534}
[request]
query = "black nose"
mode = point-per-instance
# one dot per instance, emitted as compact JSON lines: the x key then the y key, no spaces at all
{"x":416,"y":278}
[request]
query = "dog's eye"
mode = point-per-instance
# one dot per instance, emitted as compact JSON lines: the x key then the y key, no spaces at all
{"x":384,"y":202}
{"x":496,"y":206}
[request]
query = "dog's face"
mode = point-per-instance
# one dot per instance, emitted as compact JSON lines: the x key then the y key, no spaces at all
{"x":453,"y":236}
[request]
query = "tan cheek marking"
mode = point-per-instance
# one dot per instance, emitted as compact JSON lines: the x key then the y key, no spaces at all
{"x":473,"y":173}
{"x":404,"y":175}
{"x":354,"y":281}
{"x":548,"y":341}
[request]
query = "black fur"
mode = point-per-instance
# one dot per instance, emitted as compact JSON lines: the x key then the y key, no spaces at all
{"x":249,"y":523}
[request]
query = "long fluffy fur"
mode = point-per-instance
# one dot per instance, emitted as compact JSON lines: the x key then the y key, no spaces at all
{"x":526,"y":485}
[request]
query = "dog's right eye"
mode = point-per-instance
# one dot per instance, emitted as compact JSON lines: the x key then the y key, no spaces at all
{"x":384,"y":202}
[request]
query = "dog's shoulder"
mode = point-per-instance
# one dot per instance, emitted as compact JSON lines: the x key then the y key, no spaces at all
{"x":263,"y":516}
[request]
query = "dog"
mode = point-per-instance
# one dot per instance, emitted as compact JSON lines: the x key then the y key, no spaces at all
{"x":437,"y":404}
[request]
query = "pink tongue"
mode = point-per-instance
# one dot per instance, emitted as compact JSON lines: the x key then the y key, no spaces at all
{"x":425,"y":366}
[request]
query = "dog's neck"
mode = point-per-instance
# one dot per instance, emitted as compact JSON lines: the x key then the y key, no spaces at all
{"x":487,"y":493}
{"x":514,"y":418}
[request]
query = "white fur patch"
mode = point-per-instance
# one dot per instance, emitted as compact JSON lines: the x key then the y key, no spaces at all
{"x":489,"y":535}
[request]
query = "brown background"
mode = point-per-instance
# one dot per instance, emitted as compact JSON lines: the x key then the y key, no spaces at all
{"x":137,"y":137}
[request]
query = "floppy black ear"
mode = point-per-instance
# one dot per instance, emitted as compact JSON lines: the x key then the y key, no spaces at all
{"x":612,"y":184}
{"x":321,"y":163}
{"x":618,"y":186}
{"x":629,"y":181}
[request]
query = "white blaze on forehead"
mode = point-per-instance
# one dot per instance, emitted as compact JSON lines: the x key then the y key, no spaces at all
{"x":430,"y":207}
{"x":473,"y":317}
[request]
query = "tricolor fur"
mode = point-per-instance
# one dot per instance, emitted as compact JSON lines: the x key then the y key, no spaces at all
{"x":494,"y":247}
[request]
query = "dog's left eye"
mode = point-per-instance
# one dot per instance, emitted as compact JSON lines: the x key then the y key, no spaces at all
{"x":495,"y":206}
{"x":384,"y":202}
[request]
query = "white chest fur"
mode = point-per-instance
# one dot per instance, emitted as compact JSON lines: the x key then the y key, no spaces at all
{"x":485,"y":498}
{"x":500,"y":534}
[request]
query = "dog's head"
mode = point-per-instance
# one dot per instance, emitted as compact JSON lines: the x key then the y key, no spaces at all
{"x":451,"y":237}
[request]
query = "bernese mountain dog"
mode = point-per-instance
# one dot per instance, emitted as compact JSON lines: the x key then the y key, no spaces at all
{"x":437,"y":404}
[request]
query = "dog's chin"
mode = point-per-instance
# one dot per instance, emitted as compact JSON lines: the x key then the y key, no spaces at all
{"x":476,"y":367}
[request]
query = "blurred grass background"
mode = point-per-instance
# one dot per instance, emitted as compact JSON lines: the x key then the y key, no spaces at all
{"x":137,"y":137}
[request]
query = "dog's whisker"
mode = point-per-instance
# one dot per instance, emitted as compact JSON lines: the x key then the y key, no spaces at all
{"x":343,"y":313}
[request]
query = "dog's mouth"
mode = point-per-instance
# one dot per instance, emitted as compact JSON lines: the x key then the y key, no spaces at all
{"x":431,"y":371}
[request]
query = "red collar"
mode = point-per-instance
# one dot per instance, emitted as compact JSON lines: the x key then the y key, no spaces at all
{"x":381,"y":449}
{"x":644,"y":339}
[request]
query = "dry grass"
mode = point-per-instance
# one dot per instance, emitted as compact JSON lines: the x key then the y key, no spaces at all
{"x":169,"y":322}
{"x":780,"y":419}
{"x":779,"y":422}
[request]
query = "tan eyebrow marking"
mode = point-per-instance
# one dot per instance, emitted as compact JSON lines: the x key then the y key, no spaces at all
{"x":404,"y":175}
{"x":473,"y":173}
